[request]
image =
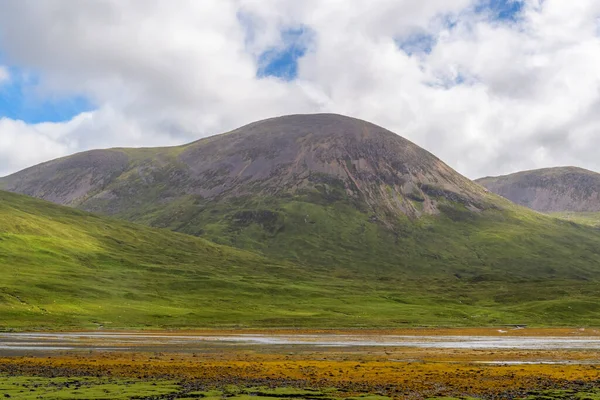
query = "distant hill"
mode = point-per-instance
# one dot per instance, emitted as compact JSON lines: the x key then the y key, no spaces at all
{"x":562,"y":189}
{"x":354,"y":225}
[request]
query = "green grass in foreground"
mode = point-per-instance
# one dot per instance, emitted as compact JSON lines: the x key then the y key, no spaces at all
{"x":34,"y":388}
{"x":61,"y":268}
{"x":593,"y":394}
{"x":91,"y":388}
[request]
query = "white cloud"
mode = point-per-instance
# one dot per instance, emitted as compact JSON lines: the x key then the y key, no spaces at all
{"x":165,"y":72}
{"x":23,"y":145}
{"x":4,"y":74}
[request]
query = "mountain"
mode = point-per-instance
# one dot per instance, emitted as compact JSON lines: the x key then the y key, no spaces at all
{"x":324,"y":156}
{"x":549,"y":190}
{"x":318,"y":220}
{"x":301,"y":186}
{"x":324,"y":189}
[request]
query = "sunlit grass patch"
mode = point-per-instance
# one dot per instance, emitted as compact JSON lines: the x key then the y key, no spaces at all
{"x":35,"y":388}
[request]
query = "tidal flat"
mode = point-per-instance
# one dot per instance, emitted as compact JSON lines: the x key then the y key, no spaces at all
{"x":277,"y":364}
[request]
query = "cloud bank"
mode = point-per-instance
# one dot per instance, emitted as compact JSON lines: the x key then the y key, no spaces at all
{"x":490,"y":87}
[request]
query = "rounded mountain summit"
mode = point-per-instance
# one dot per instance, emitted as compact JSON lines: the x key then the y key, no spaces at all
{"x":320,"y":158}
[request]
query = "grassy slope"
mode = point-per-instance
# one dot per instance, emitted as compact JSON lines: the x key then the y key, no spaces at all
{"x":61,"y":267}
{"x":584,"y":218}
{"x":541,"y":269}
{"x":64,"y":268}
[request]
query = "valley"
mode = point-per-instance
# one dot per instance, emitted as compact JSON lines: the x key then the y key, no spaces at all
{"x":299,"y":200}
{"x":317,"y":257}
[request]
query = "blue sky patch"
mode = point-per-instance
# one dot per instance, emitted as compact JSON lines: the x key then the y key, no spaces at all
{"x":20,"y":99}
{"x":451,"y":80}
{"x":283,"y":62}
{"x":420,"y":43}
{"x":501,"y":10}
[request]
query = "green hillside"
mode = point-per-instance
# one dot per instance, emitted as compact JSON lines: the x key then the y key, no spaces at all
{"x":584,"y":218}
{"x":62,"y":268}
{"x":65,"y":268}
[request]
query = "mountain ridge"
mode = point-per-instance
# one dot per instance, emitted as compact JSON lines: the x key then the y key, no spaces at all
{"x":289,"y":153}
{"x":557,"y":189}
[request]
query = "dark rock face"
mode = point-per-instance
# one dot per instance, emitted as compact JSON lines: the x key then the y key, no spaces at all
{"x":336,"y":156}
{"x":549,"y":190}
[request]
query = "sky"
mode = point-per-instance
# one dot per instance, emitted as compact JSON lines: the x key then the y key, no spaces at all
{"x":489,"y":86}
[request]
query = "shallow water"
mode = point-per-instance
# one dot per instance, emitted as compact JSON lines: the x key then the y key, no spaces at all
{"x":107,"y":341}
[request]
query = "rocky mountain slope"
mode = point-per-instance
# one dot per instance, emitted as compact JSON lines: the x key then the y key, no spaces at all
{"x":549,"y":190}
{"x":324,"y":155}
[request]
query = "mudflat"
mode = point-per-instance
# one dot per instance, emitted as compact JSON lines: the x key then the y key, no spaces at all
{"x":427,"y":363}
{"x":190,"y":341}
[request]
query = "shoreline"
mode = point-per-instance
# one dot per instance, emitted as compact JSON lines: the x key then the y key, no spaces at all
{"x":499,"y":331}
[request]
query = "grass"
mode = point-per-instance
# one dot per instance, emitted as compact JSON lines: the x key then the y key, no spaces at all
{"x":584,"y":218}
{"x":33,"y":388}
{"x":593,"y":394}
{"x":320,"y":265}
{"x":479,"y":246}
{"x":102,"y":388}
